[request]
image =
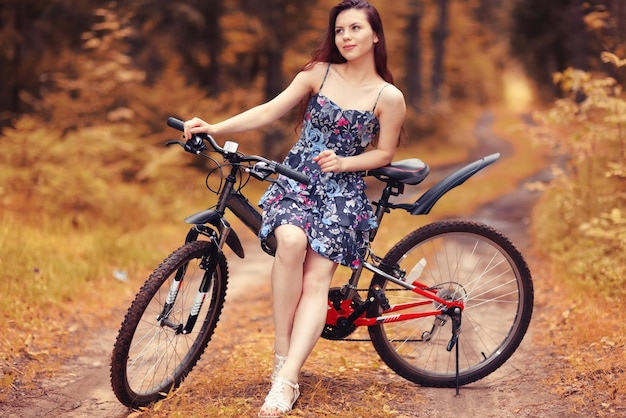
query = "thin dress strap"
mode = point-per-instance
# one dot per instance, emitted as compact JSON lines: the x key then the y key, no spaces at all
{"x":324,"y":80}
{"x":378,"y":97}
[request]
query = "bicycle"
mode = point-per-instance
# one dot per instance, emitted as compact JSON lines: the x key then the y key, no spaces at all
{"x":436,"y":277}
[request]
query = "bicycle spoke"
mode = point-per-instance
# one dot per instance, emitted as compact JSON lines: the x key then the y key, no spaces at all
{"x":152,"y":354}
{"x":465,"y":262}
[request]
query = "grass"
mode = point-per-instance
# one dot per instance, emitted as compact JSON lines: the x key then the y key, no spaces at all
{"x":579,"y":228}
{"x":341,"y":379}
{"x":583,"y":325}
{"x":58,"y":283}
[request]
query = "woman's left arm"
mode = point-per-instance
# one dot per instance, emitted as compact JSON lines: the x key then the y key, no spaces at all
{"x":391,"y":113}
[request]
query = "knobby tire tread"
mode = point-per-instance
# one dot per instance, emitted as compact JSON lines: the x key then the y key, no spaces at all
{"x":134,"y":314}
{"x":387,"y":352}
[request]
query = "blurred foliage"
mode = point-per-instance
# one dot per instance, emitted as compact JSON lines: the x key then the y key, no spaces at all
{"x":580,"y":231}
{"x":233,"y":46}
{"x":86,"y":186}
{"x":227,"y":46}
{"x":582,"y":222}
{"x":551,"y":36}
{"x":98,"y":120}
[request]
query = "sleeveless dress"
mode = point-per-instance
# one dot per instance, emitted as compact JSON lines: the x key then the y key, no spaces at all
{"x":333,"y":209}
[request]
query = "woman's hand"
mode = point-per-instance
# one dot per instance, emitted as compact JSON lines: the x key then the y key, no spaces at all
{"x":196,"y":126}
{"x":329,"y":162}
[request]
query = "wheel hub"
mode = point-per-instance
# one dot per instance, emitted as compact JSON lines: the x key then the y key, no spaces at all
{"x":451,"y":292}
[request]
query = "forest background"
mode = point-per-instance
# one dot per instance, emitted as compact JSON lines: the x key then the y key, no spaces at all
{"x":87,"y":188}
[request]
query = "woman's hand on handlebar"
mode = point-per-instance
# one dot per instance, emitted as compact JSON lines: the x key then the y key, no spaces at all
{"x":197,"y":126}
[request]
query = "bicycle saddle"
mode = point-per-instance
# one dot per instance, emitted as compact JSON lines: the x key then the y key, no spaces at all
{"x":410,"y":171}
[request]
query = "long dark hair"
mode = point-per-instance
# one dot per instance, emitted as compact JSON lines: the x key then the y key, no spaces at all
{"x":328,"y":51}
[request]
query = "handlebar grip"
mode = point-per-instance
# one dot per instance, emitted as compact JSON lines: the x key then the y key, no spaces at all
{"x":178,"y":124}
{"x":293,"y":174}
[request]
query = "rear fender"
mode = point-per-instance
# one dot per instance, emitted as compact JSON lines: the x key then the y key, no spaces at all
{"x":425,"y":203}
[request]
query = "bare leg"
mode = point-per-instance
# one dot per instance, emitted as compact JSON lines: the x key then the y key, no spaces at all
{"x":300,"y":286}
{"x":287,"y":272}
{"x":310,"y":314}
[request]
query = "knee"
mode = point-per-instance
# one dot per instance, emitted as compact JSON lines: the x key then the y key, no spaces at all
{"x":291,"y":244}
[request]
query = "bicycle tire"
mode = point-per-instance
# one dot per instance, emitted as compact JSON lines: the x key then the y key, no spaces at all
{"x":463,"y":260}
{"x":150,"y":360}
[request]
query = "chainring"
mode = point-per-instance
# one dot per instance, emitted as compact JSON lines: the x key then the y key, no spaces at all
{"x":336,"y":332}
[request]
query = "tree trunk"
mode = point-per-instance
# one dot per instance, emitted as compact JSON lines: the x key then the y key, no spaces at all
{"x":578,"y":35}
{"x":12,"y":18}
{"x":440,"y":34}
{"x":414,"y":56}
{"x":212,"y":15}
{"x":273,"y":86}
{"x":283,"y":20}
{"x":484,"y":12}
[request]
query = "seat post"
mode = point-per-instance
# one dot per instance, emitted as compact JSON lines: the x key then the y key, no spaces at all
{"x":392,"y":188}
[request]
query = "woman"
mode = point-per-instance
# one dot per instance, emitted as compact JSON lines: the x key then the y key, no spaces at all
{"x":350,"y":103}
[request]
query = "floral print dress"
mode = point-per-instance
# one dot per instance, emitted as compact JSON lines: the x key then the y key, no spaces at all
{"x":333,"y":209}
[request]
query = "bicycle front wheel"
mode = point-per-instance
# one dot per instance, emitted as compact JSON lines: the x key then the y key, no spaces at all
{"x":156,"y":346}
{"x":458,"y":260}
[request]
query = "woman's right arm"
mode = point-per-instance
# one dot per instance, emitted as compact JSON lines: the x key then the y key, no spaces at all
{"x":301,"y":86}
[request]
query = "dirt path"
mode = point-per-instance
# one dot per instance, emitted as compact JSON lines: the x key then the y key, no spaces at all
{"x":82,"y":388}
{"x":517,"y":389}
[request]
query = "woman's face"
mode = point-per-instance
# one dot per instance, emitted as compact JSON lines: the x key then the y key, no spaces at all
{"x":354,"y":36}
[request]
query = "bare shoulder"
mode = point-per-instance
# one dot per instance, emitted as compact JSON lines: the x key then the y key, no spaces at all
{"x":392,"y":95}
{"x":314,"y":74}
{"x":392,"y":99}
{"x":319,"y":67}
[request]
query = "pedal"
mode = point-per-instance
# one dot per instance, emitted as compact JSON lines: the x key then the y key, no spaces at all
{"x":381,"y":299}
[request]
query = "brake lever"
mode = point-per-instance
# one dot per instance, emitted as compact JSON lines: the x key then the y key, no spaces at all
{"x":168,"y":143}
{"x":261,"y":171}
{"x":262,"y":177}
{"x":195,"y":145}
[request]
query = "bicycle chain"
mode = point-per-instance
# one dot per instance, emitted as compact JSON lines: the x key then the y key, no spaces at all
{"x":354,"y":339}
{"x":365,"y":340}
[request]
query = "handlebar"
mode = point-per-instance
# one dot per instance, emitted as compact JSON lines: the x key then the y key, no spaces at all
{"x":177,"y":124}
{"x":196,"y":145}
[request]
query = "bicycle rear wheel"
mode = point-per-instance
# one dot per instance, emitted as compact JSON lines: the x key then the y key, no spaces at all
{"x":460,"y":260}
{"x":153,"y":353}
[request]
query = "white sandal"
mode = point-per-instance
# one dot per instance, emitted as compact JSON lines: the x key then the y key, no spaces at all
{"x":279,"y":362}
{"x":275,"y":404}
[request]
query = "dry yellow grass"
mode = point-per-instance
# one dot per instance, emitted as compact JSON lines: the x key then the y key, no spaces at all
{"x":578,"y":226}
{"x":581,"y":333}
{"x":341,"y":379}
{"x":58,"y":284}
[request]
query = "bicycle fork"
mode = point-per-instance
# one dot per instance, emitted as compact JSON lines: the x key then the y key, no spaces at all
{"x":208,"y":264}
